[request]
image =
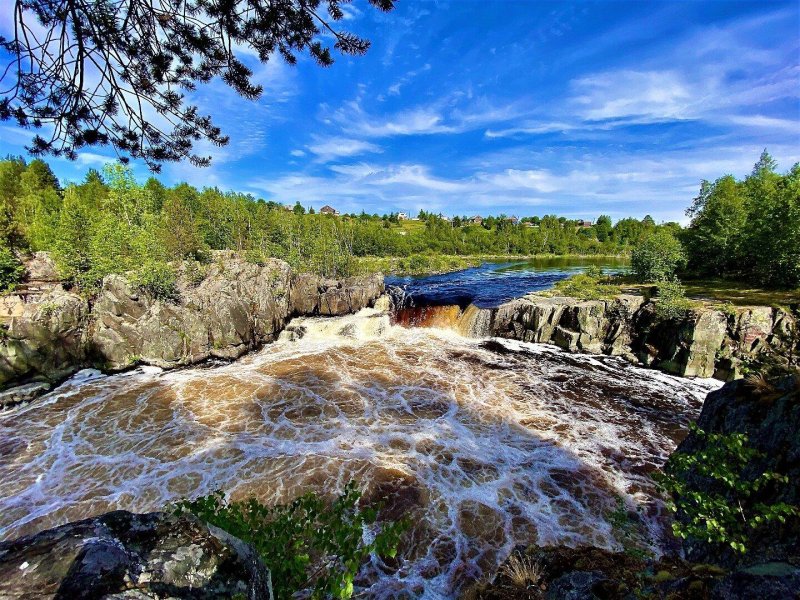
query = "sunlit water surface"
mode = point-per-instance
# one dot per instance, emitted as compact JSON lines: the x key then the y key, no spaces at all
{"x":485,"y":443}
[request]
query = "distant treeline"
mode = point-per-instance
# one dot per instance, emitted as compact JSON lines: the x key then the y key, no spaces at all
{"x":110,"y":223}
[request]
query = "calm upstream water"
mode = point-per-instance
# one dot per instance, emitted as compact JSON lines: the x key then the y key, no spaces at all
{"x":495,"y":282}
{"x":484,"y":443}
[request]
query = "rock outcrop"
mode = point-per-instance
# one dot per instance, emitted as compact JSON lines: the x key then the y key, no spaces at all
{"x":49,"y":338}
{"x":125,"y":555}
{"x":705,"y":343}
{"x":769,"y":414}
{"x":236,"y":306}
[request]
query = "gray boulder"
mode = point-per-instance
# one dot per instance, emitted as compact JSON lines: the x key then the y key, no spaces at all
{"x":47,"y":340}
{"x":314,"y":295}
{"x":126,"y":555}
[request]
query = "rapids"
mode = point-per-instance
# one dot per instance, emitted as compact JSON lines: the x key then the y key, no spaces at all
{"x":485,"y":443}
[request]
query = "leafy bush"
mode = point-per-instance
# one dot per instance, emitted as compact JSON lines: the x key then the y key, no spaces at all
{"x":157,"y":279}
{"x":672,"y":302}
{"x":658,"y":257}
{"x":711,"y":495}
{"x":591,"y":285}
{"x":11,"y":270}
{"x":306,"y":544}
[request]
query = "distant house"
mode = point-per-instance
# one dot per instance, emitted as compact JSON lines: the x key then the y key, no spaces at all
{"x":531,"y":225}
{"x":328,"y":210}
{"x":582,"y":223}
{"x":513,"y":220}
{"x":402,"y":216}
{"x":476,"y":220}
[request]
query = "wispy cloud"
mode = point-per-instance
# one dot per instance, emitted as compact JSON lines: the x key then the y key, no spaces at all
{"x":327,"y":149}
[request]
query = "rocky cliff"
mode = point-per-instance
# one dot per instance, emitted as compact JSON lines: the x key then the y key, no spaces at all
{"x":235,"y":306}
{"x":705,"y":343}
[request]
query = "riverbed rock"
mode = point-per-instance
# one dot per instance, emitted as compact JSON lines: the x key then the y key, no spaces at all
{"x":47,"y":339}
{"x":221,"y":310}
{"x":236,"y":307}
{"x":23,"y":393}
{"x":706,"y":342}
{"x":126,"y":555}
{"x":588,"y":573}
{"x":314,"y":295}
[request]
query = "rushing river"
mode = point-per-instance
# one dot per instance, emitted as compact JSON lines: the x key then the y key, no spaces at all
{"x":485,"y":443}
{"x":495,"y":282}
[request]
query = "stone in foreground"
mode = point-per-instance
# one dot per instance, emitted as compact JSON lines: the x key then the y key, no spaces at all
{"x":126,"y":555}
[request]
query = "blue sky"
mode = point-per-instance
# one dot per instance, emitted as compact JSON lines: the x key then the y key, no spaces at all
{"x":525,"y":108}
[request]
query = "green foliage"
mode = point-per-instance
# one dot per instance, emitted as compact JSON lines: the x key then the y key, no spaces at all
{"x":714,"y":498}
{"x":11,"y":270}
{"x":110,"y":223}
{"x":416,"y":264}
{"x":672,"y":302}
{"x":195,"y":272}
{"x":748,"y":229}
{"x":591,"y":285}
{"x":307,"y":544}
{"x":157,"y":278}
{"x":657,"y":257}
{"x":728,"y":309}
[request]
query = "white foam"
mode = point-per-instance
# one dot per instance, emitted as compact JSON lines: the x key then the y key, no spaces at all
{"x":526,"y":446}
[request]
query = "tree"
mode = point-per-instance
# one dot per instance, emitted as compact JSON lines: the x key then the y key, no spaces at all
{"x":714,"y":237}
{"x":180,"y":233}
{"x":298,"y":209}
{"x":658,"y":257}
{"x":748,"y":229}
{"x":72,"y":247}
{"x":603,"y":228}
{"x":38,"y":205}
{"x":114,"y":72}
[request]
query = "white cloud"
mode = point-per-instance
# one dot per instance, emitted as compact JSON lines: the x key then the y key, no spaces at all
{"x":327,"y":149}
{"x":297,"y":152}
{"x":661,"y":182}
{"x":657,"y":95}
{"x":94,"y":159}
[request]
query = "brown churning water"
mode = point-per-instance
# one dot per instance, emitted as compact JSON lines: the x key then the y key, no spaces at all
{"x":486,"y":443}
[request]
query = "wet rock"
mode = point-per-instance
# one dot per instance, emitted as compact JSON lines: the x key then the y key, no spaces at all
{"x":125,"y":555}
{"x":314,"y":295}
{"x":23,"y":393}
{"x":705,"y":343}
{"x":566,"y":339}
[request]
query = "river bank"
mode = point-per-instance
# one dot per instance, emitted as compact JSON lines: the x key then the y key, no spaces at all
{"x":238,"y":306}
{"x":235,"y":307}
